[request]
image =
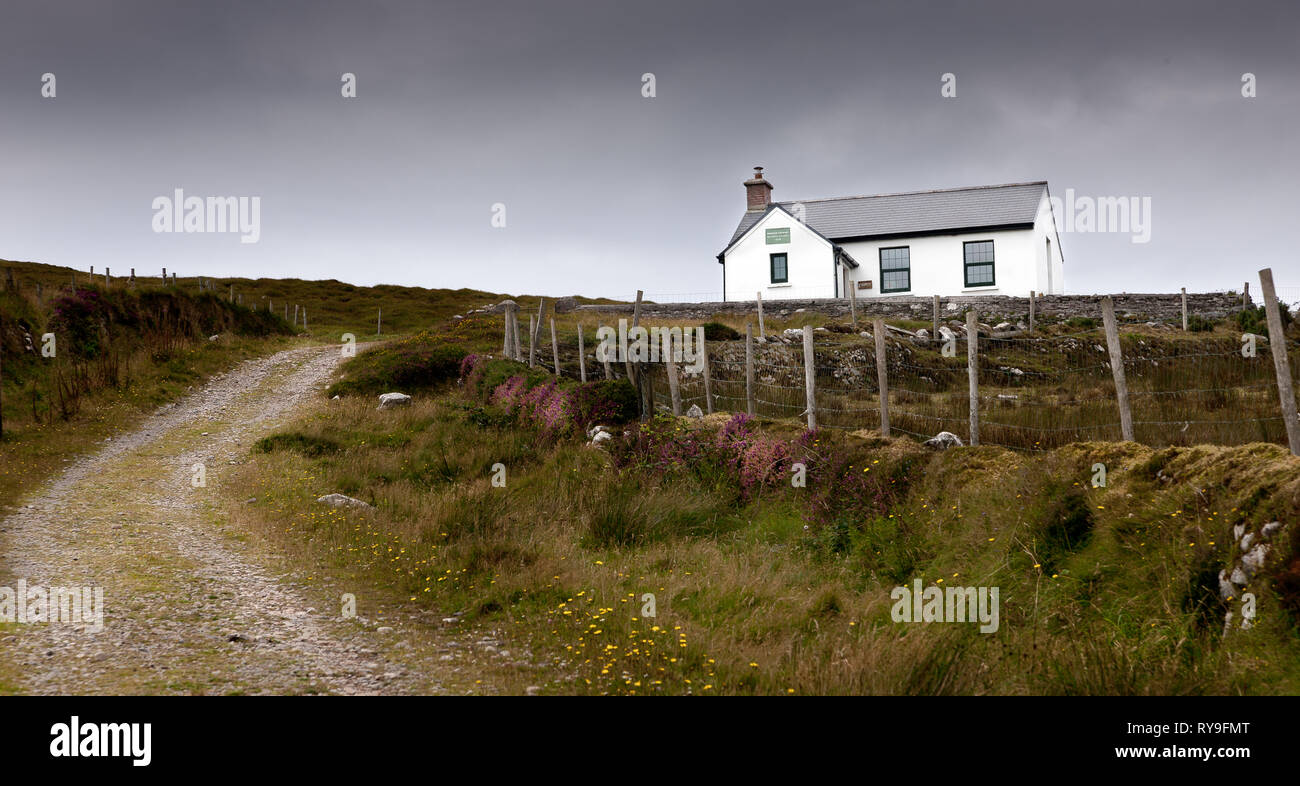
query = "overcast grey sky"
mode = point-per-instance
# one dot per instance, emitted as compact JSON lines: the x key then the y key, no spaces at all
{"x":539,"y":106}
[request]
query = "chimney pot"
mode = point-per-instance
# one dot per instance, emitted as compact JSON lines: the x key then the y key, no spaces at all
{"x":758,"y":191}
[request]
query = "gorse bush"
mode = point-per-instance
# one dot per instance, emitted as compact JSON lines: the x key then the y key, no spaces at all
{"x":1255,"y":320}
{"x":418,"y":363}
{"x":716,"y":331}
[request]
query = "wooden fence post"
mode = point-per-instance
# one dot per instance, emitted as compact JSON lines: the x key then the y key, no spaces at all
{"x":761,"y":331}
{"x":634,"y":374}
{"x":108,"y":276}
{"x":537,"y":326}
{"x":749,"y":368}
{"x":674,"y":384}
{"x":810,"y":376}
{"x":1245,"y":294}
{"x":878,"y":329}
{"x":582,"y":357}
{"x":304,"y":317}
{"x":973,"y":372}
{"x":2,"y":374}
{"x":1184,"y":309}
{"x":1281,"y":365}
{"x":708,"y":376}
{"x":505,"y":342}
{"x":516,"y":345}
{"x":1117,"y":367}
{"x":532,"y":341}
{"x":555,"y":349}
{"x":1031,"y":311}
{"x":379,"y":323}
{"x":609,"y":373}
{"x":853,"y":304}
{"x":935,"y":336}
{"x":133,"y":278}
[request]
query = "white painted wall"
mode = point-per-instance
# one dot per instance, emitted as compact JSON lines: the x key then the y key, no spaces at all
{"x":810,"y":260}
{"x":1022,"y":262}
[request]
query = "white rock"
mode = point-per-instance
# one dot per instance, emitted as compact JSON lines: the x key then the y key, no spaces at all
{"x":944,"y":440}
{"x":601,"y":437}
{"x":390,"y":400}
{"x":213,"y":338}
{"x":344,"y":501}
{"x":695,"y":411}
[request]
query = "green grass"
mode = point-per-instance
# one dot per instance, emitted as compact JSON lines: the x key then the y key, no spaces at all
{"x":1103,"y":590}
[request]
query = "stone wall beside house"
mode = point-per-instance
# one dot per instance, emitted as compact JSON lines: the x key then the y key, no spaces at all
{"x":1145,"y":307}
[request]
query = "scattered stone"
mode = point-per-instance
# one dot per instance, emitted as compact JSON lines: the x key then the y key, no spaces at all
{"x":695,"y":411}
{"x":344,"y":501}
{"x":944,"y":440}
{"x":391,"y":400}
{"x":532,"y":690}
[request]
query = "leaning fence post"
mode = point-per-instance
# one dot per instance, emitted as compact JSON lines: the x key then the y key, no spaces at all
{"x":555,"y":349}
{"x":1117,"y":367}
{"x":1281,"y":365}
{"x":537,"y":326}
{"x":749,"y":368}
{"x":853,"y":303}
{"x":810,"y":376}
{"x":1184,"y":309}
{"x":935,"y":336}
{"x":674,"y":384}
{"x":708,"y":376}
{"x":1031,"y":311}
{"x":582,"y":360}
{"x":761,"y":333}
{"x":973,"y":372}
{"x":878,"y":328}
{"x":532,"y":341}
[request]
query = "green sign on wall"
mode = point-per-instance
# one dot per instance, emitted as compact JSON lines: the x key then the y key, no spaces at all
{"x":775,"y":236}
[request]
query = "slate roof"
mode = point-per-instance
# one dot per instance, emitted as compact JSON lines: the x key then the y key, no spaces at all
{"x":914,"y":212}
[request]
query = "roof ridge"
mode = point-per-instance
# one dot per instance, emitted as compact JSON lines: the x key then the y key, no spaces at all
{"x":912,"y":193}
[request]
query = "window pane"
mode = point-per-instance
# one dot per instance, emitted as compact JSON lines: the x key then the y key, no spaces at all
{"x":778,"y":268}
{"x":979,"y":274}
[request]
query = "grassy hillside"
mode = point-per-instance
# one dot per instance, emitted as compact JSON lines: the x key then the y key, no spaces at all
{"x":763,"y":586}
{"x":332,"y":307}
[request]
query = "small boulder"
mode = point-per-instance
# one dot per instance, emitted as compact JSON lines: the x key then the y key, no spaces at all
{"x":695,"y":411}
{"x":923,"y":334}
{"x":344,"y":501}
{"x":944,"y":440}
{"x":391,"y":400}
{"x":1001,"y":326}
{"x":564,"y":305}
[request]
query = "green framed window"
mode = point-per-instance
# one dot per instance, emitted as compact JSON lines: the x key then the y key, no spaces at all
{"x":780,"y":269}
{"x":979,"y":263}
{"x":896,"y":269}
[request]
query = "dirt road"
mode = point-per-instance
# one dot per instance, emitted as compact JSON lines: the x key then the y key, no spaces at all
{"x":191,"y":605}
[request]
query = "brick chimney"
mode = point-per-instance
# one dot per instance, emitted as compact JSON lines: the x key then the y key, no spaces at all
{"x":758,"y":192}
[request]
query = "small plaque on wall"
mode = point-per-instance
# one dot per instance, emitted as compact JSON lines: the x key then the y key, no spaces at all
{"x":777,"y":236}
{"x":864,"y":285}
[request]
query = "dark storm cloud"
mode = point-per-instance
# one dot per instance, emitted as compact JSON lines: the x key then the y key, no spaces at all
{"x":538,"y":106}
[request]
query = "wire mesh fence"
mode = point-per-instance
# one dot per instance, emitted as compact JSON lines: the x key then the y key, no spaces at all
{"x":1033,"y":393}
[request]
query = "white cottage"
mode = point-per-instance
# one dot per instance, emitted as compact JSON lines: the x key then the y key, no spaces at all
{"x":958,"y":241}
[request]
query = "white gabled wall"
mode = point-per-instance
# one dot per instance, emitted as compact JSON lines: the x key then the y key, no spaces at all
{"x":810,"y":259}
